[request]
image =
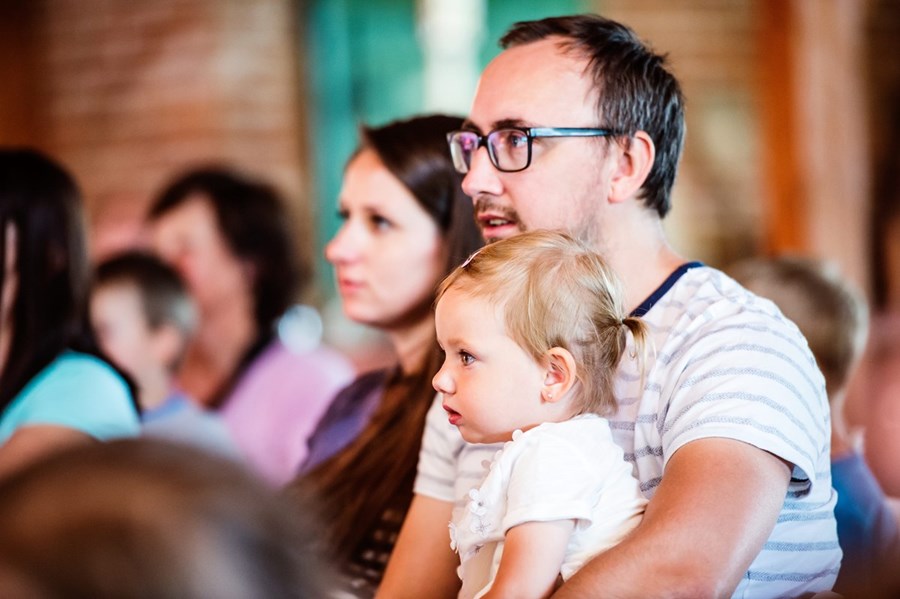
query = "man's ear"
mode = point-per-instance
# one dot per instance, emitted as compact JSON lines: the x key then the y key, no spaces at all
{"x":560,"y":374}
{"x":633,"y":167}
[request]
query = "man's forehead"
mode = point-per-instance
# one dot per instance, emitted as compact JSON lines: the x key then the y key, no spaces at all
{"x":536,"y":84}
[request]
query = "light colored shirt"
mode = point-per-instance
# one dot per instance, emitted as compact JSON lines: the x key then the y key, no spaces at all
{"x":568,"y":470}
{"x":726,"y":364}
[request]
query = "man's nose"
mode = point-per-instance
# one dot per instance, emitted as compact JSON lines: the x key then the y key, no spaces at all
{"x":483,"y":177}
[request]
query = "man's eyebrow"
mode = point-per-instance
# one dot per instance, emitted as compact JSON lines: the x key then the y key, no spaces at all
{"x":510,"y":123}
{"x":501,"y":124}
{"x":470,"y":126}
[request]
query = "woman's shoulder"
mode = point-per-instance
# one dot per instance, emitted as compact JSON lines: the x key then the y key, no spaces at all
{"x":75,"y":371}
{"x":358,"y":399}
{"x":81,"y":391}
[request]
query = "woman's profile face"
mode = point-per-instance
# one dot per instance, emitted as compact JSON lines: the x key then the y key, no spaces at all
{"x":188,"y":238}
{"x":388,"y":254}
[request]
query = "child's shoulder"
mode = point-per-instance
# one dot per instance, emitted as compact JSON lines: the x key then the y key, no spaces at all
{"x":580,"y":424}
{"x":586,"y":431}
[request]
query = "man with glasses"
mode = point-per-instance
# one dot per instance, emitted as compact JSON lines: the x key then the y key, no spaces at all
{"x":578,"y":126}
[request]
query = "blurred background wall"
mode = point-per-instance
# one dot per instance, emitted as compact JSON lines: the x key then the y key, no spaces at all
{"x":793,"y":119}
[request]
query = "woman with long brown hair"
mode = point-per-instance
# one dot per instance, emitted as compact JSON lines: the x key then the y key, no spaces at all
{"x":406,"y":224}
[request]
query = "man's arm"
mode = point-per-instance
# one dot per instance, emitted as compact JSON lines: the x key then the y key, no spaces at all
{"x":716,"y":505}
{"x":422,"y":563}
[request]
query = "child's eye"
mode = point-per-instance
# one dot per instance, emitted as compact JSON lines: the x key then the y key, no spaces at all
{"x":466,"y":358}
{"x":343,"y":214}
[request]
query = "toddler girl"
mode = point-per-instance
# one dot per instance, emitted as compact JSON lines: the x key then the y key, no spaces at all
{"x":533,"y":328}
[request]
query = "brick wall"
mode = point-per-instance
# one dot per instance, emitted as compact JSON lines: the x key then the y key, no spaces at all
{"x":717,"y":214}
{"x":126,"y":94}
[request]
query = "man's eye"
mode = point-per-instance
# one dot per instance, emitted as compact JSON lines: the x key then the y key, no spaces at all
{"x":517,"y":140}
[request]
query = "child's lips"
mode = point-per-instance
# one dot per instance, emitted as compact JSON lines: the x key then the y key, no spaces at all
{"x":452,"y":415}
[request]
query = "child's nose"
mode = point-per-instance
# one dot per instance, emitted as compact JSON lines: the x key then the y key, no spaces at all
{"x":442,"y":382}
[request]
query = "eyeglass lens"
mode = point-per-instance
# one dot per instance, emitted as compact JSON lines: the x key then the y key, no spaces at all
{"x":508,"y":149}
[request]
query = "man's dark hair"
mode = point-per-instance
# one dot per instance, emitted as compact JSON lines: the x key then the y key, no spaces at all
{"x":635,"y":90}
{"x":254,"y":223}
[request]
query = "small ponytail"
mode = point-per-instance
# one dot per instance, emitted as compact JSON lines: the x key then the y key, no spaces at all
{"x":640,"y":332}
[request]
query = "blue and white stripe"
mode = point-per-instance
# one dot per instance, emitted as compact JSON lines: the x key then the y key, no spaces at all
{"x":726,"y":364}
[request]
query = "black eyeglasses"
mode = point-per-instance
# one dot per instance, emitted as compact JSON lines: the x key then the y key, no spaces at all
{"x":510,"y":148}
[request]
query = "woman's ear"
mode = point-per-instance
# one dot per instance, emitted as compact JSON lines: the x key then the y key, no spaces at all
{"x":560,"y":374}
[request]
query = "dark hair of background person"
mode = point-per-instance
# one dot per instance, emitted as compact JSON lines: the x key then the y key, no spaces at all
{"x":254,"y":223}
{"x":164,"y":297}
{"x":636,"y":92}
{"x":43,"y":202}
{"x":144,"y":518}
{"x":376,"y":471}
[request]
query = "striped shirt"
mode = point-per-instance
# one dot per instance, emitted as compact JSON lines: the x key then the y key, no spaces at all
{"x":726,"y":363}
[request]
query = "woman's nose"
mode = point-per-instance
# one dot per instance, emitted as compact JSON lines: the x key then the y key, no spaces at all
{"x":341,"y":248}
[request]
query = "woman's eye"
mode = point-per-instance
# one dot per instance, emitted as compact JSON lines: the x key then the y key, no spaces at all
{"x":466,"y":358}
{"x":379,"y":222}
{"x":343,"y":214}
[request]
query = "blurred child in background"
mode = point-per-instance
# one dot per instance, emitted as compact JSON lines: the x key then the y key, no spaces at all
{"x":833,"y":317}
{"x":144,"y":319}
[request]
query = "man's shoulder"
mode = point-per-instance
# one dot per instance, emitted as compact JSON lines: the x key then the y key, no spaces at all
{"x":705,"y":299}
{"x":708,"y":323}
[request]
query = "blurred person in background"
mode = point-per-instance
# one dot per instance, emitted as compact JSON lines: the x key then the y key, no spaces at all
{"x":144,"y":319}
{"x":834,"y":318}
{"x":144,"y":518}
{"x":56,"y":388}
{"x":406,"y":225}
{"x":228,"y":236}
{"x":874,"y":395}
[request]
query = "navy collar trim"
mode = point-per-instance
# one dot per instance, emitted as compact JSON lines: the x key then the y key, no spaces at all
{"x":654,"y":297}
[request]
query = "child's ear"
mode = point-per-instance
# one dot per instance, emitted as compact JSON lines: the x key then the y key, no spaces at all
{"x":167,"y":344}
{"x":560,"y":374}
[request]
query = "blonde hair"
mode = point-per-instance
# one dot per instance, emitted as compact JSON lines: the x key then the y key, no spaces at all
{"x":556,"y":292}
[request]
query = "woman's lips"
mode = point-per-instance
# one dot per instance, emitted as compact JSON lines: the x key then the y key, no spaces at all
{"x":346,"y":286}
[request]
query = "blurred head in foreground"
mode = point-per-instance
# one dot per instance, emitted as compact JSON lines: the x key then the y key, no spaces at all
{"x":142,"y":518}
